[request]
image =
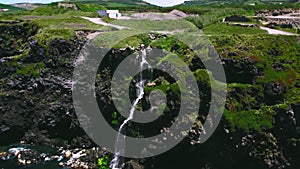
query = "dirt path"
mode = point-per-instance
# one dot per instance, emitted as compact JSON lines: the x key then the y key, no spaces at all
{"x":93,"y":35}
{"x":99,"y":21}
{"x":277,"y":32}
{"x":282,"y":17}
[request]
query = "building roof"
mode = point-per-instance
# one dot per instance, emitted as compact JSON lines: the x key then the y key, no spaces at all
{"x":112,"y":11}
{"x":109,"y":11}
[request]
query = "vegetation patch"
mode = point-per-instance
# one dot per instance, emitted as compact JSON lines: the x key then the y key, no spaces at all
{"x":165,"y":25}
{"x":251,"y":119}
{"x":90,"y":7}
{"x":227,"y":29}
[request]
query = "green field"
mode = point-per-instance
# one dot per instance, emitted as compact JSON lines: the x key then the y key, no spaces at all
{"x":225,"y":29}
{"x":165,"y":25}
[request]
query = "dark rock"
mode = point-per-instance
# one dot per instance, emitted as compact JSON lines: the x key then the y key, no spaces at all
{"x":264,"y":146}
{"x":11,"y":134}
{"x":41,"y":104}
{"x":277,"y":66}
{"x":240,"y":71}
{"x":232,"y":54}
{"x":275,"y":52}
{"x":274,"y":93}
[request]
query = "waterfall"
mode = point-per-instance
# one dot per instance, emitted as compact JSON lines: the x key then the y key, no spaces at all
{"x":140,"y":84}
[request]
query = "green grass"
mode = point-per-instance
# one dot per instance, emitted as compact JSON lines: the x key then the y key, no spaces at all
{"x":30,"y":70}
{"x":165,"y":25}
{"x":208,"y":16}
{"x":54,"y":10}
{"x":251,"y":119}
{"x":118,"y":39}
{"x":61,"y":27}
{"x":65,"y":23}
{"x":107,"y":19}
{"x":260,"y":48}
{"x":225,"y":29}
{"x":113,"y":4}
{"x":239,"y":85}
{"x":55,"y":22}
{"x":90,"y":7}
{"x":58,"y":25}
{"x":49,"y":10}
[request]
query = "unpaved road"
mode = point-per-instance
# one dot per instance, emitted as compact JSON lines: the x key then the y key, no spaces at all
{"x":277,"y":32}
{"x":99,"y":21}
{"x":93,"y":35}
{"x":283,"y":17}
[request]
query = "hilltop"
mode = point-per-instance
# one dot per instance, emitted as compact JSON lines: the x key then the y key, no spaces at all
{"x":114,"y":3}
{"x":3,"y":6}
{"x":27,"y":6}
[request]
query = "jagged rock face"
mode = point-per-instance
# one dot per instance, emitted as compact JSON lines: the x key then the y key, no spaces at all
{"x":264,"y":146}
{"x":12,"y":37}
{"x":36,"y":106}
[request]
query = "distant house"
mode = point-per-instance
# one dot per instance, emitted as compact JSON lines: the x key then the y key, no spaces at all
{"x":109,"y":13}
{"x":3,"y":10}
{"x":67,"y":5}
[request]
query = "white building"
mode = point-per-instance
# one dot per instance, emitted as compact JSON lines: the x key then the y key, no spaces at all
{"x":109,"y":13}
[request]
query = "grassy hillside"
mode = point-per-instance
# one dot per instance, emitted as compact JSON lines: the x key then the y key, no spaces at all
{"x":90,"y":7}
{"x":3,"y":6}
{"x":53,"y":9}
{"x":114,"y":3}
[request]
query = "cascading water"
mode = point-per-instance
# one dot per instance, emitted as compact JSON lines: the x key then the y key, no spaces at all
{"x":120,"y":141}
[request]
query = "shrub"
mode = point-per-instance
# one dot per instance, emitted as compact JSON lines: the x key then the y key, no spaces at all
{"x":103,"y":162}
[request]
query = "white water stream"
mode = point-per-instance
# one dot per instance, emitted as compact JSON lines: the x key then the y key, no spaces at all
{"x":140,"y":84}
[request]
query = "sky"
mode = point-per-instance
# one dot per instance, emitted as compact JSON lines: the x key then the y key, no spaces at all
{"x":155,"y":2}
{"x":164,"y":2}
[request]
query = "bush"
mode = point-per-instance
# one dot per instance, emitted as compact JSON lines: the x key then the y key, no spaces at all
{"x":196,"y":21}
{"x":103,"y":162}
